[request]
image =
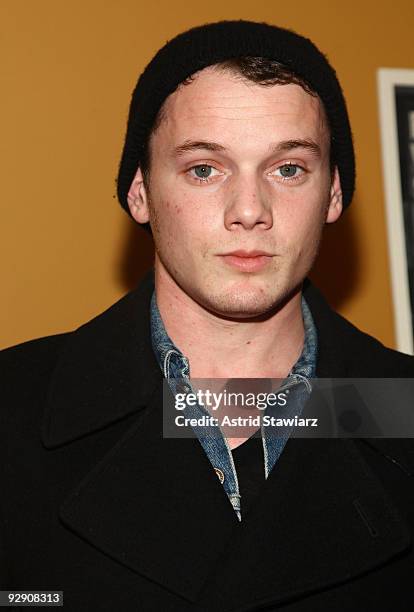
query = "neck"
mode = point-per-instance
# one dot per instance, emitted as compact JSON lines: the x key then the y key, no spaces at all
{"x":219,"y":347}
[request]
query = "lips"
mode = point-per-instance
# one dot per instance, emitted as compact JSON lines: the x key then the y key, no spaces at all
{"x":247,"y":261}
{"x":248,"y":254}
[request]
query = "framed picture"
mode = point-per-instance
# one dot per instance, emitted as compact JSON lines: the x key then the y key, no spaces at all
{"x":396,"y":105}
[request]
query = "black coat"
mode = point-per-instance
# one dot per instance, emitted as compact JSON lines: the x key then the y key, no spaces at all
{"x":96,"y":503}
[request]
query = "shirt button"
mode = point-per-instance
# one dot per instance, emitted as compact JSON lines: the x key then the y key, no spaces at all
{"x":220,"y":474}
{"x":183,"y":388}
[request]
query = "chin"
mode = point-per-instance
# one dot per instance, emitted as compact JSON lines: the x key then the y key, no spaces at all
{"x":242,"y":304}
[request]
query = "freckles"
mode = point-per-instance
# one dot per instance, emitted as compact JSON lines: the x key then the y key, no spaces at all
{"x":171,"y":207}
{"x":203,"y":250}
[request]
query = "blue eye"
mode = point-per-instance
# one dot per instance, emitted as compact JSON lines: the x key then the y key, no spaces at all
{"x":289,"y":173}
{"x":289,"y":170}
{"x":203,"y":171}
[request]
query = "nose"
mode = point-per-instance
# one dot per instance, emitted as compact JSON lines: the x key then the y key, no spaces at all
{"x":248,"y":206}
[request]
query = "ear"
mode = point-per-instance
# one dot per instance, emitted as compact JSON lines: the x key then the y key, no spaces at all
{"x":335,"y":199}
{"x":138,"y":199}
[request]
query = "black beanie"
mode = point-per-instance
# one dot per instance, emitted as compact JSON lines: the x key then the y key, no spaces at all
{"x":212,"y":43}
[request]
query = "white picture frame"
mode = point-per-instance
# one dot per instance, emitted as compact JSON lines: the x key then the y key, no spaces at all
{"x":390,"y":81}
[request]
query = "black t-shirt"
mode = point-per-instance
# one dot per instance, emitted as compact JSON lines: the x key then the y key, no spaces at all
{"x":249,"y":461}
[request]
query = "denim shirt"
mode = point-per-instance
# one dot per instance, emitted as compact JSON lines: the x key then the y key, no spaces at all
{"x":176,"y":369}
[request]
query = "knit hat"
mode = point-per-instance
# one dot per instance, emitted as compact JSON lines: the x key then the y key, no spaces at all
{"x":209,"y":44}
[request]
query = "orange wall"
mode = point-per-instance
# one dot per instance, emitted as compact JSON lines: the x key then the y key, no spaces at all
{"x":68,"y":250}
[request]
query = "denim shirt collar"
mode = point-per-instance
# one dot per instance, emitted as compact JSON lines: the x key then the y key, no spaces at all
{"x":174,"y":364}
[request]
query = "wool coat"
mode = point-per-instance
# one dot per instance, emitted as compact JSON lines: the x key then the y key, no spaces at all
{"x":97,"y":504}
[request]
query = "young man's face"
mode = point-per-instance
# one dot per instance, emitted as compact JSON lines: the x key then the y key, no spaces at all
{"x":237,"y":169}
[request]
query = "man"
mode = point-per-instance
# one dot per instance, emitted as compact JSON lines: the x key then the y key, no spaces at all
{"x":238,"y":151}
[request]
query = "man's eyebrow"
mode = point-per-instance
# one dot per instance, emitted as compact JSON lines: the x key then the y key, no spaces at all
{"x":278,"y":147}
{"x":193,"y":145}
{"x":289,"y":145}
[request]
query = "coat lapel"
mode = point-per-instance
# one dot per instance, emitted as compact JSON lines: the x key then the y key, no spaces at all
{"x":156,"y":506}
{"x":152,"y":504}
{"x":321,"y":519}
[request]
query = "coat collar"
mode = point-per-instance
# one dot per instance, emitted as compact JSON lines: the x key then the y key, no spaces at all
{"x":156,"y":506}
{"x":107,"y":369}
